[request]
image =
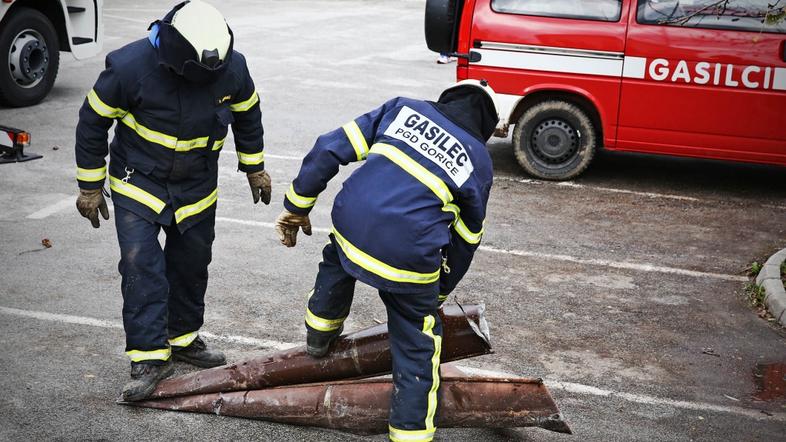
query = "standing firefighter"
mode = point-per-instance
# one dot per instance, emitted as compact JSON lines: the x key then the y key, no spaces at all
{"x":407,"y":223}
{"x":173,"y":94}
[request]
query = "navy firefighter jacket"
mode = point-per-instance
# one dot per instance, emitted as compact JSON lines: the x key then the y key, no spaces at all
{"x":411,"y":217}
{"x":169,"y":133}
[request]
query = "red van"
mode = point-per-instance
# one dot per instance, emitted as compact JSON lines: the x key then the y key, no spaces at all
{"x":696,"y":78}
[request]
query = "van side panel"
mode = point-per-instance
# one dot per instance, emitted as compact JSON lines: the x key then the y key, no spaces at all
{"x":705,"y":93}
{"x":519,"y":52}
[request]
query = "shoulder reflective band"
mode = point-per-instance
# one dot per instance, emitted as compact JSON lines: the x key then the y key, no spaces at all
{"x":196,"y":208}
{"x":218,"y":144}
{"x":322,"y":324}
{"x":357,"y":139}
{"x":428,"y":330}
{"x":397,"y":435}
{"x":136,"y":194}
{"x":163,"y":139}
{"x":464,"y":232}
{"x":91,"y":175}
{"x":102,"y":108}
{"x":157,"y":355}
{"x":245,"y":105}
{"x":184,"y":340}
{"x":304,"y":202}
{"x":250,"y":159}
{"x":415,"y":169}
{"x":379,"y":268}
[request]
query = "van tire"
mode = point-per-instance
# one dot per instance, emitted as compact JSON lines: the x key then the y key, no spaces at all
{"x":554,"y":140}
{"x":441,"y":21}
{"x":42,"y":35}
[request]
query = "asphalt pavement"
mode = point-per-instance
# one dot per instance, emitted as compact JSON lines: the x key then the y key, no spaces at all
{"x":623,"y":289}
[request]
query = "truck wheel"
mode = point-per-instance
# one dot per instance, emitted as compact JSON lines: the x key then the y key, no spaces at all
{"x":554,"y":140}
{"x":29,"y":57}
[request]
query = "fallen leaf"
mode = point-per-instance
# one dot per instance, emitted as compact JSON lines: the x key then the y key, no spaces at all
{"x":46,"y":243}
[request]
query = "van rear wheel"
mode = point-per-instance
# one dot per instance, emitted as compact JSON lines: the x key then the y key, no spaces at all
{"x":554,"y":140}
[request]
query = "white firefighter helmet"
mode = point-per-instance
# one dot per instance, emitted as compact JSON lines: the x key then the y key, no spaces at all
{"x":480,"y":84}
{"x":204,"y":27}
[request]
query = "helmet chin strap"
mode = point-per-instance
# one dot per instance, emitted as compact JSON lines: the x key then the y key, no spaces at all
{"x":210,"y":58}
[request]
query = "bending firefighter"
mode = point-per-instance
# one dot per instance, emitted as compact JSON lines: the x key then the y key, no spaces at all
{"x":407,"y":222}
{"x":173,"y":96}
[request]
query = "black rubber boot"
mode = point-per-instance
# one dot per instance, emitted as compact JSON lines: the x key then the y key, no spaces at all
{"x":198,"y":354}
{"x":144,"y":378}
{"x":318,"y":343}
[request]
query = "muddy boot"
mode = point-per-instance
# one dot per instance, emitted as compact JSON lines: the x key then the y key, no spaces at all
{"x":144,"y":378}
{"x":198,"y":354}
{"x":318,"y":343}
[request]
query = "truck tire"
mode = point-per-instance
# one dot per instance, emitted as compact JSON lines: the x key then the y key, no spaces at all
{"x":554,"y":140}
{"x":441,"y":21}
{"x":29,"y":57}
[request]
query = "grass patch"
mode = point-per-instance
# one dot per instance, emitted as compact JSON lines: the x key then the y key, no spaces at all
{"x":756,"y":294}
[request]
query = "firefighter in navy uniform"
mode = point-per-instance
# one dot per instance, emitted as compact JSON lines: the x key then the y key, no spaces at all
{"x":406,"y":222}
{"x":173,"y":95}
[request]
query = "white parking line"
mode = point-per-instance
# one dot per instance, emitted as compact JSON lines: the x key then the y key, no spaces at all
{"x":600,"y":188}
{"x":572,"y":387}
{"x":67,"y":203}
{"x":640,"y":267}
{"x":569,"y":387}
{"x":132,"y":20}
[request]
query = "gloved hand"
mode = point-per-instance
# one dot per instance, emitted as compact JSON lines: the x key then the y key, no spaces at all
{"x":89,"y":203}
{"x":260,"y":186}
{"x":287,"y":225}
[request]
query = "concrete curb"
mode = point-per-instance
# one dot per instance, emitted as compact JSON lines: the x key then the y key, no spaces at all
{"x":770,"y":278}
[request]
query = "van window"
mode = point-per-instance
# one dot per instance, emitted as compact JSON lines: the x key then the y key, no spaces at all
{"x":739,"y":15}
{"x":603,"y":10}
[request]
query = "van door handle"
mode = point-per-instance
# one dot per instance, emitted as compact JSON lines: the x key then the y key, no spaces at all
{"x":472,"y":56}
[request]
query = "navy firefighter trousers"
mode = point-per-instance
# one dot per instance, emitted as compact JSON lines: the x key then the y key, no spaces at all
{"x":415,"y":332}
{"x":163,"y":289}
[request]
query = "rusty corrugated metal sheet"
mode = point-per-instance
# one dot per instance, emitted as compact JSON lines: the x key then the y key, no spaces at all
{"x":362,"y":354}
{"x":362,"y":406}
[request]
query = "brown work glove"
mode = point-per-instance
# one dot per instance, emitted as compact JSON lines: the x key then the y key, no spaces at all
{"x":260,"y":186}
{"x":287,"y":225}
{"x":89,"y":203}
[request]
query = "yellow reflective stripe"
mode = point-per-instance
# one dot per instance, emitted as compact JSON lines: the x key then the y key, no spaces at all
{"x":163,"y":139}
{"x":91,"y":175}
{"x":218,"y":144}
{"x":136,"y":194}
{"x":304,"y":202}
{"x":322,"y":324}
{"x":441,"y":298}
{"x":196,"y":208}
{"x":379,"y":268}
{"x":357,"y":139}
{"x":452,"y":208}
{"x":466,"y":234}
{"x":159,"y":355}
{"x":250,"y":159}
{"x":428,"y":329}
{"x":184,"y":340}
{"x":245,"y":105}
{"x":102,"y":108}
{"x":397,"y":435}
{"x":412,"y":167}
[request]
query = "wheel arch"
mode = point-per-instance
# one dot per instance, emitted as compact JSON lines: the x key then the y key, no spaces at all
{"x":53,"y":10}
{"x":575,"y":96}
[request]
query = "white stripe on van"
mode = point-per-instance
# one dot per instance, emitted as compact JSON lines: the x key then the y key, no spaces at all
{"x":538,"y":61}
{"x":635,"y":67}
{"x":779,"y":79}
